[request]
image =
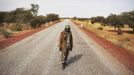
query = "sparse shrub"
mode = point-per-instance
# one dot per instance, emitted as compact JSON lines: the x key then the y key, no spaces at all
{"x":16,"y":27}
{"x":100,"y":28}
{"x":127,"y":39}
{"x":123,"y":41}
{"x":6,"y":33}
{"x":119,"y":32}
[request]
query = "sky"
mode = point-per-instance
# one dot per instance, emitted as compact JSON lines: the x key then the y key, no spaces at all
{"x":71,"y":8}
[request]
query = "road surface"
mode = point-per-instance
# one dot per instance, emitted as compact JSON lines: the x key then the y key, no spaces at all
{"x":39,"y":55}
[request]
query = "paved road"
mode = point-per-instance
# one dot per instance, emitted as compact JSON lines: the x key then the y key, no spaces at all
{"x":39,"y":55}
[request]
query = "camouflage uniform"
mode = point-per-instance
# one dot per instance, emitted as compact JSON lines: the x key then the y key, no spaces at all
{"x":65,"y":44}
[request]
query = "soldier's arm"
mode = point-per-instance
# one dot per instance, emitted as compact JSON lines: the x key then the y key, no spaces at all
{"x":72,"y":39}
{"x":60,"y":40}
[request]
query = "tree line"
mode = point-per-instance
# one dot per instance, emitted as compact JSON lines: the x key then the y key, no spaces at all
{"x":117,"y":21}
{"x":26,"y":16}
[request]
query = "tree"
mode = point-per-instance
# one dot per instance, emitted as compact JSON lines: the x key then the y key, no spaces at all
{"x":34,"y":9}
{"x":99,"y":19}
{"x":52,"y":17}
{"x":18,"y":16}
{"x":92,"y":20}
{"x":74,"y":18}
{"x":115,"y":20}
{"x":2,"y":17}
{"x":128,"y":18}
{"x":37,"y":21}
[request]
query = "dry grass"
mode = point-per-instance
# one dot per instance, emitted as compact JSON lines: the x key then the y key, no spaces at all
{"x":24,"y":28}
{"x":126,"y":40}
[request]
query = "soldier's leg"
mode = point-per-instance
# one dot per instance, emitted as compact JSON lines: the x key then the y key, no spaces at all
{"x":66,"y":55}
{"x":63,"y":56}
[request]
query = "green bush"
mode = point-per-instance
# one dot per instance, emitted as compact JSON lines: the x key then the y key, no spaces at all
{"x":37,"y":21}
{"x":52,"y":17}
{"x":100,"y":28}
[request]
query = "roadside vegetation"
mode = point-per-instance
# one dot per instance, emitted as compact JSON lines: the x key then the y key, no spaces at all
{"x":119,"y":29}
{"x":22,"y":20}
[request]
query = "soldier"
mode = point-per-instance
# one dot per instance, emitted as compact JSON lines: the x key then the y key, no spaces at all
{"x":65,"y":43}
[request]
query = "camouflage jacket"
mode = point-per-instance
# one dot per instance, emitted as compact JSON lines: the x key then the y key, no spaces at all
{"x":65,"y":41}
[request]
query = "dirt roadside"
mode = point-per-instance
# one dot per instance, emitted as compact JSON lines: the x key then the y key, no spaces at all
{"x":20,"y":36}
{"x":119,"y":53}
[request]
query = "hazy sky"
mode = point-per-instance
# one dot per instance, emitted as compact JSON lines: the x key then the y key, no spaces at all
{"x":79,"y":8}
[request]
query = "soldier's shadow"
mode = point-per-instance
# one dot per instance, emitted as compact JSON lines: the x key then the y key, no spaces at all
{"x":74,"y":59}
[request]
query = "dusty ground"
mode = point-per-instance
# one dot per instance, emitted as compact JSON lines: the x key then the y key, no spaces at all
{"x":4,"y":42}
{"x":39,"y":55}
{"x":109,"y":33}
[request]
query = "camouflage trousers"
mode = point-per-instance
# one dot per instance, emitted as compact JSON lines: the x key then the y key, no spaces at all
{"x":64,"y":55}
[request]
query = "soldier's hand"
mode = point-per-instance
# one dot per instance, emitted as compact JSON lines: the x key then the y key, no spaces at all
{"x":60,"y":49}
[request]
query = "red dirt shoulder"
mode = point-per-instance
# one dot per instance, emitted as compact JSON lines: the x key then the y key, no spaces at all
{"x":18,"y":37}
{"x":120,"y":53}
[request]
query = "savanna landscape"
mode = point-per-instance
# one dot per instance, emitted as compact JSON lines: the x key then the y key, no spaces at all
{"x":98,"y":37}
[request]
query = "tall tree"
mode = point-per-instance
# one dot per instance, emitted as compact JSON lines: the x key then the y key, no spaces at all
{"x":115,"y":20}
{"x":52,"y":17}
{"x":34,"y":9}
{"x":128,"y":18}
{"x":2,"y":17}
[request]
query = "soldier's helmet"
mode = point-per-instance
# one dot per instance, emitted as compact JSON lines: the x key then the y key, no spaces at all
{"x":67,"y":28}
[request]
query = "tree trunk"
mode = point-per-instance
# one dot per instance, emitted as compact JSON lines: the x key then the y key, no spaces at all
{"x":119,"y":31}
